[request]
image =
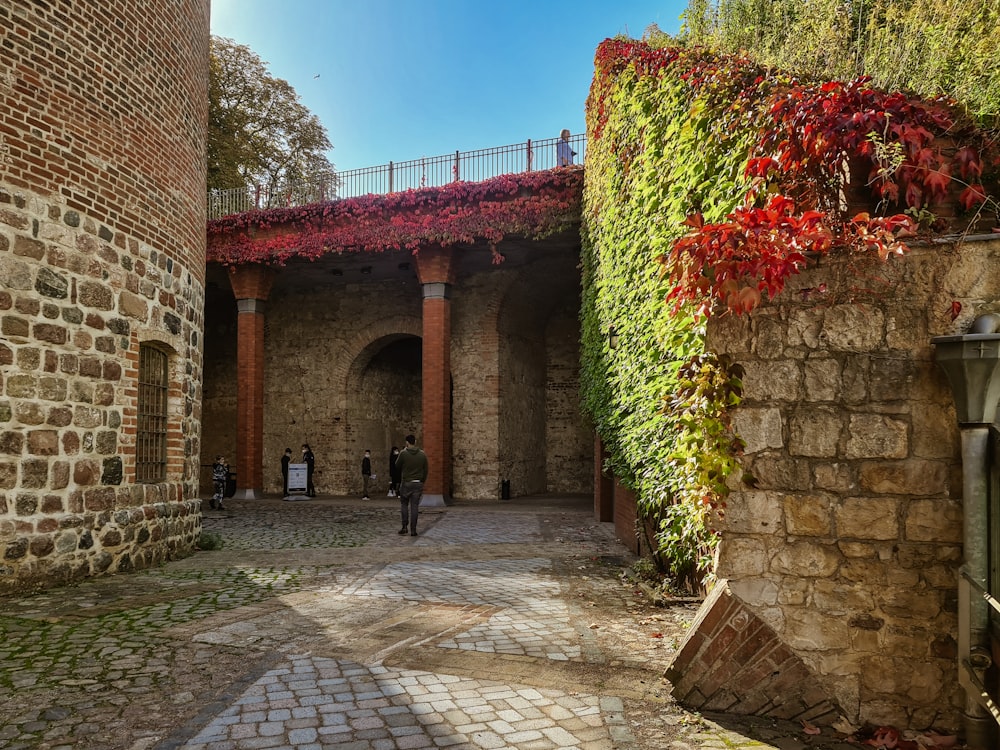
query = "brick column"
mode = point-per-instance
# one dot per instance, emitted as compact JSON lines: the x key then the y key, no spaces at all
{"x":251,"y":285}
{"x":434,"y":268}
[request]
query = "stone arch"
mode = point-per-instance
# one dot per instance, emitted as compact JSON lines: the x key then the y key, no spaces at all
{"x":380,"y":380}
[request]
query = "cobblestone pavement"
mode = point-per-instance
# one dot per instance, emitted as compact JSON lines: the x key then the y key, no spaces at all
{"x":503,"y":625}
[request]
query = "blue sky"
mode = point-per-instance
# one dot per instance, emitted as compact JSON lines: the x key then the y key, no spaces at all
{"x":402,"y":79}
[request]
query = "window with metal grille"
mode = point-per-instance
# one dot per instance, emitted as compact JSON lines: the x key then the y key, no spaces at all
{"x":151,"y":434}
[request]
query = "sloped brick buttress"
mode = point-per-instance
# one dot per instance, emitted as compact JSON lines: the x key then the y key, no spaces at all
{"x":733,"y":661}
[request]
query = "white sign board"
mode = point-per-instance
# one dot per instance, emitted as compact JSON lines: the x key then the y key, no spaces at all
{"x":298,"y":478}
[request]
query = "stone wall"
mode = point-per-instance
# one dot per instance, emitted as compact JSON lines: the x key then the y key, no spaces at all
{"x":844,"y":539}
{"x":343,"y":371}
{"x":102,"y":248}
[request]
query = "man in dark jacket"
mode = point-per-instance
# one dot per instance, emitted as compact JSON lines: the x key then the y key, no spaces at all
{"x":412,"y":463}
{"x":366,"y":473}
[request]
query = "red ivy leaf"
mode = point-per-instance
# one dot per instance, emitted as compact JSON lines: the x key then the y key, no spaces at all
{"x":972,"y":196}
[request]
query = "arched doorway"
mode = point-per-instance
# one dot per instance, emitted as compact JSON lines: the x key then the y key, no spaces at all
{"x":384,"y":403}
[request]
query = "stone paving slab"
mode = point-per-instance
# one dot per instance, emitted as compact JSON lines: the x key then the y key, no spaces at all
{"x":318,"y":627}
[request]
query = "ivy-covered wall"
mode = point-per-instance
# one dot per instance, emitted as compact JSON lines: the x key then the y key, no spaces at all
{"x":710,"y":181}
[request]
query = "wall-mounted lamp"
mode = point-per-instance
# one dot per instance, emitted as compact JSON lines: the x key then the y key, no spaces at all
{"x":612,"y":338}
{"x":337,"y":272}
{"x":366,"y":269}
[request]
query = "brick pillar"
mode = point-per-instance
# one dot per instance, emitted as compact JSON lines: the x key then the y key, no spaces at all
{"x":434,"y":268}
{"x":251,"y":285}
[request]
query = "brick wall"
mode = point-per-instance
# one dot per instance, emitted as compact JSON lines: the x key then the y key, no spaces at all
{"x":102,"y":248}
{"x":848,"y":545}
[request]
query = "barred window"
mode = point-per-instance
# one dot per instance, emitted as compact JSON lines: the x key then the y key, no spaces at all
{"x":151,"y":434}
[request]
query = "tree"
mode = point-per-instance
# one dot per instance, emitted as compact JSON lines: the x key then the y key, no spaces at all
{"x":258,"y":130}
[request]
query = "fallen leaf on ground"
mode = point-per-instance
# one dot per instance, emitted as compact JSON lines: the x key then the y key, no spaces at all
{"x":810,"y":728}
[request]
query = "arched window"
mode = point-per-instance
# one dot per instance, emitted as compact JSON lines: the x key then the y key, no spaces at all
{"x":151,"y":434}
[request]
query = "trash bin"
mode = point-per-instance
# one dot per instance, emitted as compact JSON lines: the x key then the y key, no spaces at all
{"x":230,"y":484}
{"x":505,"y":489}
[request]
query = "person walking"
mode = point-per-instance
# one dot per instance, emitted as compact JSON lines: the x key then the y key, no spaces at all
{"x":564,"y":152}
{"x":412,"y":463}
{"x":366,"y":473}
{"x":393,"y":472}
{"x":285,"y":460}
{"x":310,"y":461}
{"x":220,"y":473}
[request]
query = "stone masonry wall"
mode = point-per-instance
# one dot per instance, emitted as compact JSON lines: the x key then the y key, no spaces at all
{"x":102,"y":246}
{"x":846,"y":542}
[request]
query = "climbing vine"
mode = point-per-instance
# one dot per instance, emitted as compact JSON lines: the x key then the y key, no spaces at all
{"x":531,"y":204}
{"x":710,"y":180}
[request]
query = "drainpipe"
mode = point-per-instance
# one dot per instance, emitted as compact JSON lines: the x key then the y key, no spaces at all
{"x":972,"y":364}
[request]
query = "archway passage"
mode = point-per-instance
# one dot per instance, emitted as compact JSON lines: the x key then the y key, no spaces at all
{"x":344,"y":357}
{"x":385,"y":398}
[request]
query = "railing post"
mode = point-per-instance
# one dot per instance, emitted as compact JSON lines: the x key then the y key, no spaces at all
{"x":457,"y":162}
{"x":390,"y":177}
{"x":529,"y":156}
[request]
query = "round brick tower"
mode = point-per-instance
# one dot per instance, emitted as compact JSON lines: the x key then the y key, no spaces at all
{"x":103,"y":111}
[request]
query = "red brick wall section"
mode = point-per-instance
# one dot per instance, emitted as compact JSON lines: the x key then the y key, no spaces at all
{"x":604,"y":488}
{"x":626,"y":514}
{"x":105,"y":107}
{"x":733,"y":661}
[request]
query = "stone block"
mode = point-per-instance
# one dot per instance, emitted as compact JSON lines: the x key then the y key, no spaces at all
{"x":876,"y":436}
{"x":769,"y":337}
{"x":29,"y":413}
{"x":15,"y":274}
{"x":97,"y":295}
{"x":834,"y":477}
{"x":755,"y":592}
{"x":43,"y":442}
{"x":29,"y":248}
{"x":867,"y":518}
{"x":780,"y":472}
{"x":911,"y":603}
{"x":912,"y":477}
{"x":853,"y":328}
{"x":808,"y":515}
{"x":754,"y":513}
{"x":760,"y":429}
{"x":741,"y":557}
{"x":133,"y":306}
{"x":822,"y":379}
{"x":804,"y":326}
{"x":772,"y":380}
{"x":814,"y":432}
{"x":837,"y":597}
{"x":933,"y":520}
{"x":809,"y":629}
{"x":854,"y":382}
{"x":14,"y":327}
{"x":935,"y":431}
{"x":806,"y":559}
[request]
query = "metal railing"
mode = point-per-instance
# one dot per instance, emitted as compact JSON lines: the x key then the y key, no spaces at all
{"x":394,"y":177}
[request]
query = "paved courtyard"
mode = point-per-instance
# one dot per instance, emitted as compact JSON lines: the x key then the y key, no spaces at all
{"x":503,"y":625}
